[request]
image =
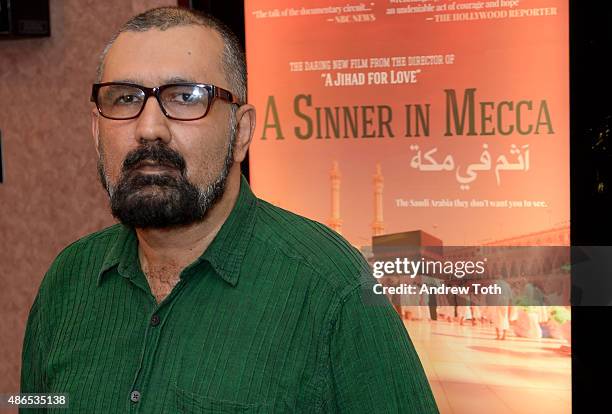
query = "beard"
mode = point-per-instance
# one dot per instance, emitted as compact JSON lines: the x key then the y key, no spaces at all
{"x":165,"y":199}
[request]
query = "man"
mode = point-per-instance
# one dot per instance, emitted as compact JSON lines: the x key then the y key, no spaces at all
{"x":205,"y":298}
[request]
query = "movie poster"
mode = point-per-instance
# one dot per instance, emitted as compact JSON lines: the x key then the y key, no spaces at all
{"x":446,"y":117}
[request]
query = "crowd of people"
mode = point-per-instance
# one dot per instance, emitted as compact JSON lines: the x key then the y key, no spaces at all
{"x":504,"y":318}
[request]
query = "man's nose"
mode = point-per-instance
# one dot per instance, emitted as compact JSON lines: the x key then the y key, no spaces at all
{"x":152,"y":123}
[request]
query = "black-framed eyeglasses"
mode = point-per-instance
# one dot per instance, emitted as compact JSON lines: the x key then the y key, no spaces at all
{"x":179,"y":101}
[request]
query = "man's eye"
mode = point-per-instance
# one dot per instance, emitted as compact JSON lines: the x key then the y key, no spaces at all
{"x":188,"y":97}
{"x":185,"y":98}
{"x":126,"y":99}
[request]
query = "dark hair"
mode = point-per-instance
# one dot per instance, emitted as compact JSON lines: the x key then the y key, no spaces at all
{"x":164,"y":18}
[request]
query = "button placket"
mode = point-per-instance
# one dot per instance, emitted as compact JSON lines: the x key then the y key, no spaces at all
{"x":151,"y":342}
{"x":149,"y":346}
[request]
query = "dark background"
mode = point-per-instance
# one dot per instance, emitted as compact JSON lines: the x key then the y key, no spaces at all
{"x":591,"y":201}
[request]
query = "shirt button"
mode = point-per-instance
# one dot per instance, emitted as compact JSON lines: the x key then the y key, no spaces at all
{"x":154,"y":320}
{"x":135,"y":396}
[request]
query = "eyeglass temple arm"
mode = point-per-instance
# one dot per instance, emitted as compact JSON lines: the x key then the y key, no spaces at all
{"x":94,"y":92}
{"x":226,"y":95}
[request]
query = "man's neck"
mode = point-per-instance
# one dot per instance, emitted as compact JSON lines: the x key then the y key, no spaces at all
{"x":176,"y":248}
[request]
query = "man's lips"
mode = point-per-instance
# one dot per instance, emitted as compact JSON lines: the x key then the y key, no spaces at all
{"x":150,"y":167}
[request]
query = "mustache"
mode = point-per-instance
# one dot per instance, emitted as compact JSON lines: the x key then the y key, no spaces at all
{"x":157,"y":153}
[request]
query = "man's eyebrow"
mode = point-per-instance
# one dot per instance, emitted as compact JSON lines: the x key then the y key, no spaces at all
{"x":127,"y":80}
{"x":173,"y":79}
{"x":179,"y":79}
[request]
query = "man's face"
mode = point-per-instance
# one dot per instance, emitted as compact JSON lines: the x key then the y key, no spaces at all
{"x":161,"y":172}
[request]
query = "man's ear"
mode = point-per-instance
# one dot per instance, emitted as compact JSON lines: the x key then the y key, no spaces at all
{"x":95,"y":129}
{"x":245,"y":123}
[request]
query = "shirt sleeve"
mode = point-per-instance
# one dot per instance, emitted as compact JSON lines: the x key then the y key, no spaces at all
{"x":32,"y":374}
{"x":375,"y":366}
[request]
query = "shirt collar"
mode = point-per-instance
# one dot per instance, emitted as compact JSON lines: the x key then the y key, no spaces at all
{"x":225,"y":253}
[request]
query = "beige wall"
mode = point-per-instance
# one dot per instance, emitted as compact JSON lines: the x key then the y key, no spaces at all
{"x":51,"y":195}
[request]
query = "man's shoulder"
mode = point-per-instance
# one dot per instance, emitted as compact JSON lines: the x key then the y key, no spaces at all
{"x":92,"y":248}
{"x":323,"y":249}
{"x":101,"y":239}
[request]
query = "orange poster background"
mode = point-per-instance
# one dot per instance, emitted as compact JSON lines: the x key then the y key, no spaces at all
{"x":505,"y":59}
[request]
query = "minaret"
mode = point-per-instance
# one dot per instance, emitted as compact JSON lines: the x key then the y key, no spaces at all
{"x":378,"y":227}
{"x":335,"y":222}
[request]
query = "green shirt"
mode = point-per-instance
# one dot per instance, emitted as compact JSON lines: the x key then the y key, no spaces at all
{"x":269,"y":319}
